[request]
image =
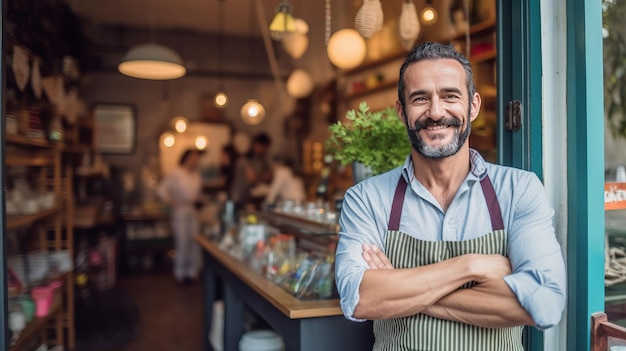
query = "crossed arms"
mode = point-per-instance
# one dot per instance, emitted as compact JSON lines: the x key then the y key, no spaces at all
{"x":527,"y":288}
{"x":433,"y":290}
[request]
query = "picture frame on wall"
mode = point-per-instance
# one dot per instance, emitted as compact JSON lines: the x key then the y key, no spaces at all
{"x":115,"y":128}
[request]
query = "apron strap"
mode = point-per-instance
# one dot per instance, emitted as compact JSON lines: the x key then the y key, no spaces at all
{"x":490,"y":197}
{"x":396,"y":205}
{"x":492,"y":204}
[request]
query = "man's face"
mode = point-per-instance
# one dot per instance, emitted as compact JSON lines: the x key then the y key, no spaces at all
{"x":438,"y":110}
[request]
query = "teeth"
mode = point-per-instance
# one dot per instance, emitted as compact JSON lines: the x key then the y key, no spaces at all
{"x":436,"y":127}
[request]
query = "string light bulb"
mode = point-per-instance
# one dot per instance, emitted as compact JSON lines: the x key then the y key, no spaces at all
{"x":429,"y":14}
{"x":221,"y":99}
{"x":201,"y":142}
{"x":168,"y":139}
{"x":180,"y":124}
{"x":252,"y":112}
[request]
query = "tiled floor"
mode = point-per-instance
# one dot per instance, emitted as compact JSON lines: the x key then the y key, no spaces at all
{"x":169,"y":315}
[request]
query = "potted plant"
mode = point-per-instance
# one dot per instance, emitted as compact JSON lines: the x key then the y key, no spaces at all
{"x":375,"y":140}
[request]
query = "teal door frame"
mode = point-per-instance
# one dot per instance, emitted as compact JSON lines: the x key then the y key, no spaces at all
{"x":519,"y":75}
{"x":585,"y":170}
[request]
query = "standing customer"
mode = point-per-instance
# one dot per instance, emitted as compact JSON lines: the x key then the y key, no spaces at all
{"x":180,"y":190}
{"x":253,"y":172}
{"x":448,"y":252}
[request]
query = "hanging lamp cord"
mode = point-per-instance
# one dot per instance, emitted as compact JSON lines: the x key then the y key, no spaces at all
{"x":271,"y":56}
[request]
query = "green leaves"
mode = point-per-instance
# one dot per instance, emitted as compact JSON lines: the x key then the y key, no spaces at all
{"x":376,"y":139}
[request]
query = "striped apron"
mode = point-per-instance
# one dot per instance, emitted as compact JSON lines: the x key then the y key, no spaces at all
{"x":425,"y":333}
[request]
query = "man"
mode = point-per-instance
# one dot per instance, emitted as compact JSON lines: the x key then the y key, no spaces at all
{"x":253,"y":171}
{"x":448,"y":252}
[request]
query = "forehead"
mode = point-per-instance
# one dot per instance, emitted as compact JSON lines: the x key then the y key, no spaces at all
{"x":433,"y":74}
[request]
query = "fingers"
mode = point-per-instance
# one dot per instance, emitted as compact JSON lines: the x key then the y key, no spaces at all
{"x":375,"y":258}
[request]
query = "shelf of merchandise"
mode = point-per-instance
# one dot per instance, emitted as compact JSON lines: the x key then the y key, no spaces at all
{"x":22,"y":221}
{"x":14,"y":139}
{"x":57,"y":220}
{"x":37,"y":327}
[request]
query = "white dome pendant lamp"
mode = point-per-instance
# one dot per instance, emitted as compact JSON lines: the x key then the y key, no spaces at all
{"x":152,"y":61}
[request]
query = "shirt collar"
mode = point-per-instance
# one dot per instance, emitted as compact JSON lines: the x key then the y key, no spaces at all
{"x":478,"y":167}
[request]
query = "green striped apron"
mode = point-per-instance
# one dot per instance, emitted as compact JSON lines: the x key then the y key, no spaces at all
{"x":425,"y":333}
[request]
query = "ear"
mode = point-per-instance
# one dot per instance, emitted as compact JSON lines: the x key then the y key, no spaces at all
{"x":400,"y":111}
{"x":475,"y":104}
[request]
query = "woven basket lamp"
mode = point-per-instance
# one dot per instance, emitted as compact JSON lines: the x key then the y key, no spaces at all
{"x":369,"y":18}
{"x":409,"y":25}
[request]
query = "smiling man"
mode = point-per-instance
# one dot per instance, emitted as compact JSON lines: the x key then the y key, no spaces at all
{"x":448,"y":252}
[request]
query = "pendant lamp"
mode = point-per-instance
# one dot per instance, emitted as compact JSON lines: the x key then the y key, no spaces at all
{"x":346,"y":48}
{"x":252,"y":112}
{"x":220,"y":99}
{"x":409,"y":25}
{"x":369,"y":18}
{"x":152,"y":61}
{"x":283,"y":22}
{"x":429,"y":14}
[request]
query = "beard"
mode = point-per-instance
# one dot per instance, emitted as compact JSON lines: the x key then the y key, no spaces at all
{"x":437,"y":152}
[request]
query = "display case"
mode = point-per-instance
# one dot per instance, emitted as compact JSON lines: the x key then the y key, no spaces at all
{"x":311,"y":322}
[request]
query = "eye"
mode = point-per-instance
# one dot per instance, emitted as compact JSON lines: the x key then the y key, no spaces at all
{"x":419,"y":99}
{"x":451,"y":96}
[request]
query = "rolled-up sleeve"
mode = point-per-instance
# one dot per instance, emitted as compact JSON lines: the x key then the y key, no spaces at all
{"x":539,"y":276}
{"x":358,"y":226}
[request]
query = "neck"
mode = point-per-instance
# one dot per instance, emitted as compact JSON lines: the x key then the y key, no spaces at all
{"x":442,"y":177}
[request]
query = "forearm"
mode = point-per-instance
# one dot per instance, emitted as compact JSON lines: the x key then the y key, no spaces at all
{"x":491,"y":305}
{"x":392,"y":293}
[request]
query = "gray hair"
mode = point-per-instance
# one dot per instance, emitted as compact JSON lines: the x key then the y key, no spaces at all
{"x":436,"y":51}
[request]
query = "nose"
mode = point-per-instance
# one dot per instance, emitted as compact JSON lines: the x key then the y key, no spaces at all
{"x":436,"y":110}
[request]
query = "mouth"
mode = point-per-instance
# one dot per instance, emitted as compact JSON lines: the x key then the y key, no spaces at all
{"x":432,"y":125}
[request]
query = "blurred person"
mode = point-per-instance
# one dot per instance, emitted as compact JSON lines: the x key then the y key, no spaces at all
{"x":253,"y":173}
{"x":228,"y":161}
{"x":286,"y":184}
{"x":181,"y":190}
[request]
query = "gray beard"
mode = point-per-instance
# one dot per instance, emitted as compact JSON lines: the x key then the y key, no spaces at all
{"x":438,"y":152}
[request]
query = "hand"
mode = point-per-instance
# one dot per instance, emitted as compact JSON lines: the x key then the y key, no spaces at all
{"x":489,"y":267}
{"x":375,"y":258}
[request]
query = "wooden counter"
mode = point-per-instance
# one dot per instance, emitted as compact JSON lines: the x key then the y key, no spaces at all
{"x":304,"y":325}
{"x":289,"y":305}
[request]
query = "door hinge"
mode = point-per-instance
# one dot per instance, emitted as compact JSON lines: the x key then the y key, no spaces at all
{"x":514,"y":113}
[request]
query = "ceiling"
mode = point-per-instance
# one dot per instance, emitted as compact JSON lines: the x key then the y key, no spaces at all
{"x":197,"y":15}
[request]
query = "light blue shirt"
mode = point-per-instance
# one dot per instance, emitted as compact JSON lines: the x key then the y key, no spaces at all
{"x":538,"y":279}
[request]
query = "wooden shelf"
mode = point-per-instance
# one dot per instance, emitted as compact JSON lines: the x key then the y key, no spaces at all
{"x":38,"y":325}
{"x":380,"y":87}
{"x":28,"y":160}
{"x":26,"y":141}
{"x":478,"y":28}
{"x":483,"y":56}
{"x":375,"y":63}
{"x":21,"y":221}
